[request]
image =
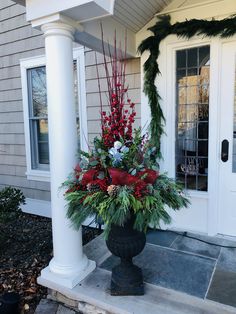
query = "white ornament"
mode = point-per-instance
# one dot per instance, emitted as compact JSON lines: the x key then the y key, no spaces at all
{"x":117,"y":145}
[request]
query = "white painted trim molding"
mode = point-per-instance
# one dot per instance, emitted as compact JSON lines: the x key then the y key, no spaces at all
{"x":78,"y":55}
{"x":37,"y":207}
{"x":186,"y":7}
{"x":37,"y":61}
{"x":207,"y":218}
{"x":43,"y":208}
{"x":26,"y":64}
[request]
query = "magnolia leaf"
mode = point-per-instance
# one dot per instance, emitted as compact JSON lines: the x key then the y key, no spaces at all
{"x":93,"y":163}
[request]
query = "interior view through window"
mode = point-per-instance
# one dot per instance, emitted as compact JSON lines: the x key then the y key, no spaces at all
{"x":192,"y":119}
{"x":38,"y":115}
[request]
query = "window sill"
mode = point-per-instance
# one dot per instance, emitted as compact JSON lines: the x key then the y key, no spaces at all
{"x":197,"y":194}
{"x":39,"y":175}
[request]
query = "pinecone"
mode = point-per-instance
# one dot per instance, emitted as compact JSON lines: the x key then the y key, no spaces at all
{"x":92,"y":188}
{"x":112,"y":190}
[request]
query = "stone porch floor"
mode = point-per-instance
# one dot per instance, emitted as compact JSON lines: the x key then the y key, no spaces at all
{"x":182,"y":275}
{"x":183,"y":264}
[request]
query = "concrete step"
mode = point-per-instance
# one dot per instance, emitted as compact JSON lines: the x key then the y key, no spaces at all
{"x":94,"y":291}
{"x":46,"y":306}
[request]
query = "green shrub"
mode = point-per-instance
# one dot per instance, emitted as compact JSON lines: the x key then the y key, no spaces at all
{"x":10,"y":201}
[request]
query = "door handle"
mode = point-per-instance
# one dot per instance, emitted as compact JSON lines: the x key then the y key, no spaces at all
{"x":225,"y":150}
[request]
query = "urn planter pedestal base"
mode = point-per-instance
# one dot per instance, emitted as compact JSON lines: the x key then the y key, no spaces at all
{"x":127,"y":279}
{"x":126,"y":242}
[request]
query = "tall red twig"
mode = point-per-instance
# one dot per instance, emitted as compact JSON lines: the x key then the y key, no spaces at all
{"x":117,"y":123}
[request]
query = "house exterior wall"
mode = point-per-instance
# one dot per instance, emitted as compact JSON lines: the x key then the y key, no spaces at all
{"x":203,"y":213}
{"x":18,"y":40}
{"x":133,"y":81}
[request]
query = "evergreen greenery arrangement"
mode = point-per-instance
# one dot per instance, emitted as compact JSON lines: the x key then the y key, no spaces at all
{"x":10,"y":201}
{"x":119,"y":177}
{"x":163,"y":28}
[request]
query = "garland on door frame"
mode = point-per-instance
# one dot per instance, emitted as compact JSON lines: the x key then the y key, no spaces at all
{"x":187,"y":29}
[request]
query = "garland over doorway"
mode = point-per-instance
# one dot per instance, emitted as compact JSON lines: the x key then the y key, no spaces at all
{"x":163,"y":28}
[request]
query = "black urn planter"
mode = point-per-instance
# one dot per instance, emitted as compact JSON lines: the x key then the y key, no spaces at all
{"x":126,"y":242}
{"x":9,"y":303}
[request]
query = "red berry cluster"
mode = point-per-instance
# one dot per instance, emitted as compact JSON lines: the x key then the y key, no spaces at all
{"x":118,"y":123}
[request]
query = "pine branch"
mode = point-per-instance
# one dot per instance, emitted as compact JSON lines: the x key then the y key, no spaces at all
{"x":224,"y":28}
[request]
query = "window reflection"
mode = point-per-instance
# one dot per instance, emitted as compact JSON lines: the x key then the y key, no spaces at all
{"x":38,"y":115}
{"x":39,"y":93}
{"x":192,"y":99}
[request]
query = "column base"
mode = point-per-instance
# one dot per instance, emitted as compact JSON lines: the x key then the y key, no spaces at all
{"x":68,"y":281}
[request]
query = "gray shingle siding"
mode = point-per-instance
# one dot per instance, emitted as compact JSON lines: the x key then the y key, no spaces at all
{"x":18,"y":40}
{"x":133,"y":81}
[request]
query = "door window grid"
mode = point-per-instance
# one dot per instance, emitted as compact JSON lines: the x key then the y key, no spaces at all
{"x":192,"y":99}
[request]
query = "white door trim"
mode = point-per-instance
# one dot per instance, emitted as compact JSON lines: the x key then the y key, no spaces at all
{"x":224,"y":228}
{"x":166,"y":87}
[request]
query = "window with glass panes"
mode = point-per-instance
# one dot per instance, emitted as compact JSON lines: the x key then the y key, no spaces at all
{"x":38,"y":115}
{"x":192,"y":119}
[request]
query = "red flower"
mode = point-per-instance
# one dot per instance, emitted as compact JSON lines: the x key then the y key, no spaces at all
{"x":89,"y":176}
{"x":121,"y":177}
{"x":140,"y":189}
{"x":102,"y":183}
{"x":149,"y":175}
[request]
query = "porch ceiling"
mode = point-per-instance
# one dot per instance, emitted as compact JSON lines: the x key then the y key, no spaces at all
{"x":135,"y":14}
{"x":132,"y":14}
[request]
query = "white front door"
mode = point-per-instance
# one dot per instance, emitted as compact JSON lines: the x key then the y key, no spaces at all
{"x":227,"y":132}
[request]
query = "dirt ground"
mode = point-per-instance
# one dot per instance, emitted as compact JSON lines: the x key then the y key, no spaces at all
{"x":26,"y":248}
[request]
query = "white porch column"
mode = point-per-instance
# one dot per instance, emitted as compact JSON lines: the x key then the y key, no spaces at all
{"x":69,"y":265}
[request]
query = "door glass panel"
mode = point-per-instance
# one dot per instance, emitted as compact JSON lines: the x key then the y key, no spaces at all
{"x":234,"y":128}
{"x":192,"y":117}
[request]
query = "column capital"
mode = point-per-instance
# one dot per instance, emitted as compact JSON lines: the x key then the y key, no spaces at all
{"x":58,"y":29}
{"x":57,"y":24}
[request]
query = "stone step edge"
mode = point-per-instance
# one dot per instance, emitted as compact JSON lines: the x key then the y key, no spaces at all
{"x":158,"y":297}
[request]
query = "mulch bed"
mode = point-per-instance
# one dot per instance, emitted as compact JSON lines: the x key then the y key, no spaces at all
{"x":26,"y":248}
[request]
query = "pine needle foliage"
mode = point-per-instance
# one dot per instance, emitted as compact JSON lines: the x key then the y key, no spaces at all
{"x":119,"y":177}
{"x":151,"y":209}
{"x":224,"y":28}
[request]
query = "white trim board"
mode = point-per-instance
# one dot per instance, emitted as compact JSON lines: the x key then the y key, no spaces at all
{"x":202,"y":215}
{"x":43,"y":209}
{"x":37,"y":61}
{"x":37,"y":207}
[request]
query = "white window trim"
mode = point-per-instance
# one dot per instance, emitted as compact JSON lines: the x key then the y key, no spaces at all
{"x":43,"y":208}
{"x":25,"y":64}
